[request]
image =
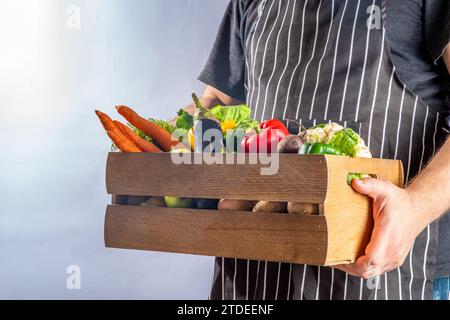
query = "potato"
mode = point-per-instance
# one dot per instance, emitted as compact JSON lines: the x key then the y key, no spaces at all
{"x":236,"y":205}
{"x":269,"y":206}
{"x":302,"y":208}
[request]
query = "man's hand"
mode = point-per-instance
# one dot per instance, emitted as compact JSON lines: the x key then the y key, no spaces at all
{"x":210,"y":98}
{"x":397,"y":223}
{"x":401,"y":214}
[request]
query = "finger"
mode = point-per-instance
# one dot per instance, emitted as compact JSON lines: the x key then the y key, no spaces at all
{"x":371,"y":187}
{"x":349,"y":270}
{"x":376,"y":249}
{"x":361,"y":268}
{"x":373,"y":262}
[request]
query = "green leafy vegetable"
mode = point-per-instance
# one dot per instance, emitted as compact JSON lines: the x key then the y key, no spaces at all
{"x":346,"y":140}
{"x":185,"y":120}
{"x":164,"y":124}
{"x":249,"y":125}
{"x":332,"y":138}
{"x":236,"y":113}
{"x":161,"y":123}
{"x":141,"y":134}
{"x":240,"y":115}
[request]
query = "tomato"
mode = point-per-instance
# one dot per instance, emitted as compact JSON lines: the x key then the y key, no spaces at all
{"x":276,"y":124}
{"x":252,"y":144}
{"x":270,"y":138}
{"x":263,"y":142}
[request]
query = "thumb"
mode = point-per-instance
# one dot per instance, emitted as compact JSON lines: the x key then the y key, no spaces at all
{"x":369,"y":186}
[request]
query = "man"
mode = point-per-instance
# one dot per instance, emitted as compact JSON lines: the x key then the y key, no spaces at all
{"x":375,"y":66}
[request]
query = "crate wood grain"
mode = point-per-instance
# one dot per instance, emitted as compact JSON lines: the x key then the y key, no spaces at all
{"x":298,"y":179}
{"x":338,"y":235}
{"x":265,"y":236}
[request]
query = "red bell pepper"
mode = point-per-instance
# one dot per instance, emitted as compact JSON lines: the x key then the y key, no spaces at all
{"x":274,"y":123}
{"x":272,"y":132}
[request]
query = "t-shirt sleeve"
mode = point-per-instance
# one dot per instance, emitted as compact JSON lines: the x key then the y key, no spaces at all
{"x":437,"y":27}
{"x":225,"y":68}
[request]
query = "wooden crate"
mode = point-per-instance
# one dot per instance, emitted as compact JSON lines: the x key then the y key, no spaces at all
{"x":338,"y":235}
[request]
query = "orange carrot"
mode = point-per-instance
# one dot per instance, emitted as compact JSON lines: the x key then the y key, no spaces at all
{"x":121,"y":140}
{"x":160,"y":135}
{"x":106,"y":121}
{"x":122,"y":144}
{"x":143,"y":144}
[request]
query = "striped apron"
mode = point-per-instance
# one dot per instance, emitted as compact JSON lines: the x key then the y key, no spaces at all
{"x":319,"y":61}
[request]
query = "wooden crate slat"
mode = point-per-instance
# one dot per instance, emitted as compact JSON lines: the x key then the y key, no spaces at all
{"x":299,"y":179}
{"x":269,"y":236}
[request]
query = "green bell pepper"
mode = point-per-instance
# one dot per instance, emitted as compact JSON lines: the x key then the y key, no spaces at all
{"x":320,"y":148}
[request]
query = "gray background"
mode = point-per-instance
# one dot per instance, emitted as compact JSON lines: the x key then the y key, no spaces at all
{"x":143,"y":53}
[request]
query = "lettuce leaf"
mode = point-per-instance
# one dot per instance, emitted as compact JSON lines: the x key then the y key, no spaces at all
{"x":346,"y":140}
{"x":239,"y":114}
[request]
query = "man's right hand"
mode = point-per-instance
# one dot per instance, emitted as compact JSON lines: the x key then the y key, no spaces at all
{"x":210,"y":98}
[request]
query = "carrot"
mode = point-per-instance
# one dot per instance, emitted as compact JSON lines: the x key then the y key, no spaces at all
{"x":122,"y":142}
{"x":160,"y":135}
{"x":143,"y":144}
{"x":106,"y":121}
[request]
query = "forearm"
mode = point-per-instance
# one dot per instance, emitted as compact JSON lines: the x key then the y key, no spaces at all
{"x":430,"y":191}
{"x":212,"y":97}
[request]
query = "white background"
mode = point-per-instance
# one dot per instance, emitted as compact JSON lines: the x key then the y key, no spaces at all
{"x":142,"y":53}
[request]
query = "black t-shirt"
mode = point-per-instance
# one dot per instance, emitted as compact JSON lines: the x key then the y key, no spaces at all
{"x":418,"y":31}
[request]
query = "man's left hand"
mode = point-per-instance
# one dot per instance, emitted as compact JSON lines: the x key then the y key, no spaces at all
{"x":397,"y":223}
